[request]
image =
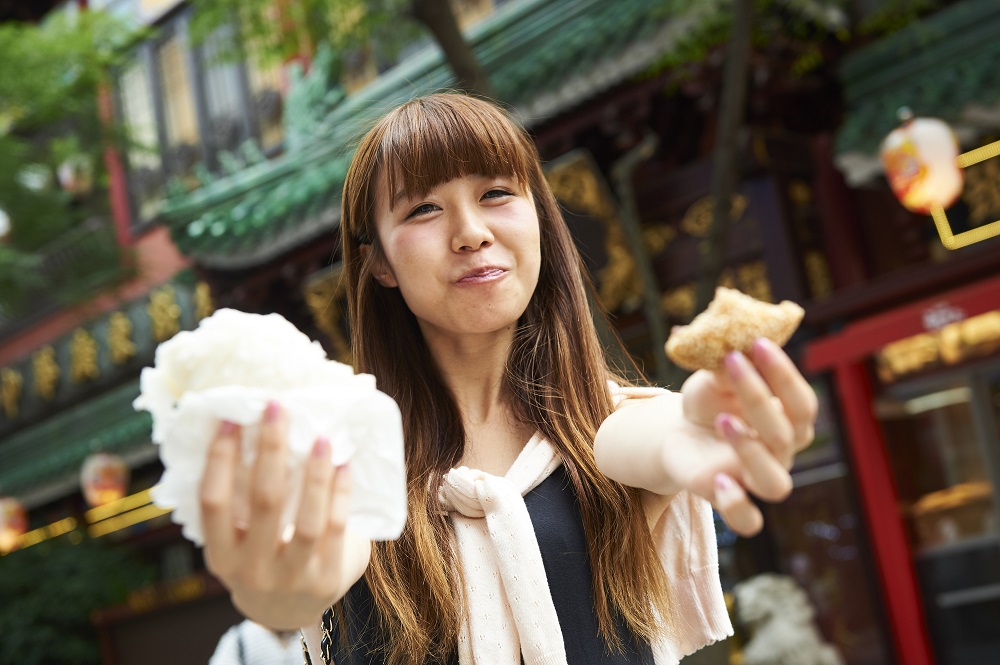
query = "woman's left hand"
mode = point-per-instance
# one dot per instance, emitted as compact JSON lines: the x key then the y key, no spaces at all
{"x":762,"y":412}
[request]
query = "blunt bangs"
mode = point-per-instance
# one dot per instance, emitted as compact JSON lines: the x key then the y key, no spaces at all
{"x":435,"y":139}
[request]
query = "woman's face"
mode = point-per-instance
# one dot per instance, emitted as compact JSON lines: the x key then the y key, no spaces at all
{"x":465,"y":257}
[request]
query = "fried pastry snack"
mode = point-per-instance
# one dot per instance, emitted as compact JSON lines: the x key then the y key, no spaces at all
{"x":732,"y":322}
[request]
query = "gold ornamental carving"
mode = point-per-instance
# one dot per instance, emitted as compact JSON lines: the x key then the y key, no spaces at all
{"x":120,"y":344}
{"x":698,"y":217}
{"x":83,"y":357}
{"x":982,"y":191}
{"x":323,"y":295}
{"x":11,"y":384}
{"x":203,"y":304}
{"x":577,"y":184}
{"x":45,"y":371}
{"x":164,"y":313}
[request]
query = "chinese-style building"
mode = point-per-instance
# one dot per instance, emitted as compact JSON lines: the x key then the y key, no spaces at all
{"x":892,"y":527}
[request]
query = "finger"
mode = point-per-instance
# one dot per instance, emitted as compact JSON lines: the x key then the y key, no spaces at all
{"x":215,"y":494}
{"x":311,"y":520}
{"x":268,"y":481}
{"x":797,"y":397}
{"x":759,"y":409}
{"x":735,"y":506}
{"x":763,"y":474}
{"x":332,"y":547}
{"x":241,"y":496}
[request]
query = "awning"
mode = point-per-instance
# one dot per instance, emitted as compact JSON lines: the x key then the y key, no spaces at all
{"x":944,"y":66}
{"x":43,"y":462}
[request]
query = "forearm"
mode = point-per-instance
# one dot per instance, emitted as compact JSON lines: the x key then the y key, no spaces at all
{"x":629,"y":446}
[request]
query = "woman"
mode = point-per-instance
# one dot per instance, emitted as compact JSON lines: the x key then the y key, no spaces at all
{"x":555,"y":514}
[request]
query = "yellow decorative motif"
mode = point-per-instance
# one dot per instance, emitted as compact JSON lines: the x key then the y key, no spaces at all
{"x":164,"y":313}
{"x":753,"y":280}
{"x":46,"y":372}
{"x":10,"y":391}
{"x":577,"y":184}
{"x":120,"y":338}
{"x":982,"y":191}
{"x":991,"y":230}
{"x":679,"y":302}
{"x":83,"y":357}
{"x":698,"y":218}
{"x":203,"y":304}
{"x":323,"y":295}
{"x":818,"y":275}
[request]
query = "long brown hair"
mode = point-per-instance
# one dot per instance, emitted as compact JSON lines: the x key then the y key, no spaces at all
{"x":556,"y":373}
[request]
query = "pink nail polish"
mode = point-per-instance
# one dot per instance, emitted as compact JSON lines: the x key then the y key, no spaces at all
{"x":726,"y":425}
{"x":763,"y":349}
{"x":321,"y":448}
{"x":735,"y":364}
{"x":271,"y":411}
{"x":227,"y":428}
{"x":724,"y":482}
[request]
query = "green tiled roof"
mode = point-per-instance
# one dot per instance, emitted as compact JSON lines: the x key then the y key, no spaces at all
{"x":937,"y":67}
{"x":543,"y":56}
{"x":54,"y":450}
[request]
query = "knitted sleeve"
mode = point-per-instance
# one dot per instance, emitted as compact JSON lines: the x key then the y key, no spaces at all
{"x":685,"y":539}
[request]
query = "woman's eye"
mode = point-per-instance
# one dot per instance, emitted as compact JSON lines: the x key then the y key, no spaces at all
{"x":422,"y":209}
{"x":496,"y":194}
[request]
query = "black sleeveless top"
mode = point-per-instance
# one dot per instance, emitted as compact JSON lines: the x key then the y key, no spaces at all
{"x":558,"y":524}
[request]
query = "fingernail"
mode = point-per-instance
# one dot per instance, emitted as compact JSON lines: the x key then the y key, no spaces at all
{"x":272,"y":411}
{"x":727,"y":425}
{"x":763,"y":349}
{"x":227,"y":428}
{"x":735,"y":364}
{"x":321,"y":448}
{"x":724,"y":482}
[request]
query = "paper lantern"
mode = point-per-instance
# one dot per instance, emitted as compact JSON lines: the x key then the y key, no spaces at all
{"x":103,"y":478}
{"x":919,"y":160}
{"x":4,"y":225}
{"x":13,"y":523}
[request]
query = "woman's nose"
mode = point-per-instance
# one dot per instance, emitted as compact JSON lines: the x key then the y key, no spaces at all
{"x":471,"y":231}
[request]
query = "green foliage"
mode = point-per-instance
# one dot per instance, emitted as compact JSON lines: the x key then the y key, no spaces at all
{"x":275,"y":32}
{"x":48,"y":591}
{"x":893,"y":15}
{"x":49,"y":113}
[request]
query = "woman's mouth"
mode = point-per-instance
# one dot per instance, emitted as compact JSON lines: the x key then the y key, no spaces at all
{"x":482,"y":275}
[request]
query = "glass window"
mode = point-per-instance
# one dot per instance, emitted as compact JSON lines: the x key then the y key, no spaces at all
{"x":938,"y":463}
{"x":222,"y":80}
{"x":266,"y":101}
{"x":183,"y":149}
{"x":139,"y":118}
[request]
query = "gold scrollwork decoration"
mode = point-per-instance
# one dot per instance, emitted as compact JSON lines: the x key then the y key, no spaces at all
{"x":698,"y":217}
{"x":323,"y":295}
{"x":120,"y":344}
{"x":11,"y":384}
{"x":164,"y":313}
{"x":578,"y":184}
{"x":83,"y":357}
{"x":45,"y":371}
{"x":203,"y":304}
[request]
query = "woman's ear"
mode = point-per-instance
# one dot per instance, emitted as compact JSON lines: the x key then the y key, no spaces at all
{"x":379,"y":267}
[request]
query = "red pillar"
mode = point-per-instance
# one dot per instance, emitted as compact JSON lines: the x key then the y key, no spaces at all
{"x":878,"y":495}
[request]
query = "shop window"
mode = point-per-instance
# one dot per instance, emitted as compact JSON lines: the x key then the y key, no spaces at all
{"x":223,"y":84}
{"x":939,"y":465}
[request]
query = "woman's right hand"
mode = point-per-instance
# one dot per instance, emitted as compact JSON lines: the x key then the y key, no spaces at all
{"x":281,"y":585}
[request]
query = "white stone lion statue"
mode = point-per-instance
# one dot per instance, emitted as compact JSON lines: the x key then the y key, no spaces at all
{"x":778,"y":616}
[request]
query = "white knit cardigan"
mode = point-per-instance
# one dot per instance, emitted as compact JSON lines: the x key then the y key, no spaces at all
{"x":511,"y":613}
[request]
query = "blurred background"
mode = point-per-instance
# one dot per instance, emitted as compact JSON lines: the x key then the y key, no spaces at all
{"x":161,"y":158}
